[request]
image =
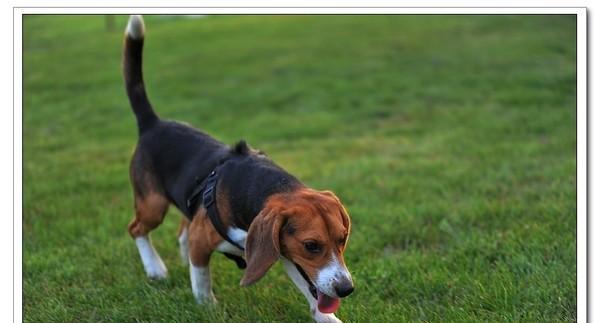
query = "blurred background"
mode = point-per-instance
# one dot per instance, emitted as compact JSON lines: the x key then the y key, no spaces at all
{"x":450,"y":139}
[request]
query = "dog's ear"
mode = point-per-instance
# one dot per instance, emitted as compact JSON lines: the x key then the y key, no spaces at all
{"x":343,"y":213}
{"x":262,"y":245}
{"x":345,"y":218}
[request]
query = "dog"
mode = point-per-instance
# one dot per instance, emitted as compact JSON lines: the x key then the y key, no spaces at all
{"x":235,"y":200}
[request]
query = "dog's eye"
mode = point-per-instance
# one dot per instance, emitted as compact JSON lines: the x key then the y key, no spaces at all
{"x":312,"y":247}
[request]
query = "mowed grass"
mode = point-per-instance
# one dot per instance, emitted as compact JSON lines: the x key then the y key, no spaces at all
{"x":450,"y":139}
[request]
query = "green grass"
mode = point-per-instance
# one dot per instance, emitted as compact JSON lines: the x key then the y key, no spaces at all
{"x":450,"y":139}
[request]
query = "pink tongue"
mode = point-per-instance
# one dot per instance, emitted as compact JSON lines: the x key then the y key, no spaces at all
{"x":327,"y":304}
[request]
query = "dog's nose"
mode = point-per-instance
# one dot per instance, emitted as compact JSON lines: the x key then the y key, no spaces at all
{"x":344,"y":289}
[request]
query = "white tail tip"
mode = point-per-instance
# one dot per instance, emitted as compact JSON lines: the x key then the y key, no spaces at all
{"x":135,"y":27}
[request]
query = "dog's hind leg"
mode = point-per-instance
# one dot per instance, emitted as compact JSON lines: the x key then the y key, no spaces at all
{"x":182,"y":239}
{"x":150,"y":211}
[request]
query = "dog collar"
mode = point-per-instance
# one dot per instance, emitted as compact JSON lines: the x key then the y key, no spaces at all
{"x":311,"y":287}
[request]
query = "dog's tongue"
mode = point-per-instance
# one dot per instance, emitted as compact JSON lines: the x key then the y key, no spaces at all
{"x":327,"y":304}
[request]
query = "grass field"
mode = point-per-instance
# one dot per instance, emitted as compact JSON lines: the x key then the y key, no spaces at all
{"x":450,"y":139}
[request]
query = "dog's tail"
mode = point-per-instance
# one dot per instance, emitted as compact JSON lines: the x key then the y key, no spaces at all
{"x":132,"y":71}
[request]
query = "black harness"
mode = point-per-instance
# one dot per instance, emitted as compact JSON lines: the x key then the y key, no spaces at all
{"x":208,"y":190}
{"x":209,"y":200}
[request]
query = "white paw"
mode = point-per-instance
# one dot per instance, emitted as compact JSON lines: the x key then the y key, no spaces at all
{"x":325,"y":318}
{"x":154,"y":266}
{"x":201,"y":285}
{"x":156,"y":270}
{"x":206,"y":299}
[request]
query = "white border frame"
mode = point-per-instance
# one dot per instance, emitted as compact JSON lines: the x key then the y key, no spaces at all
{"x":582,"y":143}
{"x":300,"y":10}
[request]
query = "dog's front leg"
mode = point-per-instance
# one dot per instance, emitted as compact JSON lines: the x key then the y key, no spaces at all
{"x":302,"y":285}
{"x":201,"y":284}
{"x":200,"y":249}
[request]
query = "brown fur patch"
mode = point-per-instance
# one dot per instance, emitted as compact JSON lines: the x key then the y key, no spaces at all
{"x":150,"y":211}
{"x":203,"y":239}
{"x":150,"y":203}
{"x":223,"y":206}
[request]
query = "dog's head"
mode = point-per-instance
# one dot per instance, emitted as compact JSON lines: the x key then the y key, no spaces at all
{"x":309,"y":228}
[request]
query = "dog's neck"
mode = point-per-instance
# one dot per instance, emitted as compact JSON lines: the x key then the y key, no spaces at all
{"x":247,"y":181}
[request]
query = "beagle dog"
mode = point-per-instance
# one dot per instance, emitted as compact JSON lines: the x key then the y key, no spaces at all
{"x":235,"y":200}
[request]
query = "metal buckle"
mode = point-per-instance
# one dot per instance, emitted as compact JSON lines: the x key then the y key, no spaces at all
{"x":207,"y":197}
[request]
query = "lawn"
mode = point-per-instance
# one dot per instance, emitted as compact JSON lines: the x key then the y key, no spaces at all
{"x":450,"y":139}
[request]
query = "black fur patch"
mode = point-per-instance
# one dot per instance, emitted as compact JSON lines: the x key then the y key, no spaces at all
{"x":241,"y":148}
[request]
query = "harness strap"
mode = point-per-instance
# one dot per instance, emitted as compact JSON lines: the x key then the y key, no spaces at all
{"x":209,"y":201}
{"x":239,"y":261}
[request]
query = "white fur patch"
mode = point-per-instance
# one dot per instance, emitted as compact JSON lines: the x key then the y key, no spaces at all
{"x":153,"y":264}
{"x":239,"y":237}
{"x":183,"y":246}
{"x":325,"y":318}
{"x":299,"y":281}
{"x":135,"y":27}
{"x":330,"y":274}
{"x":201,"y":284}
